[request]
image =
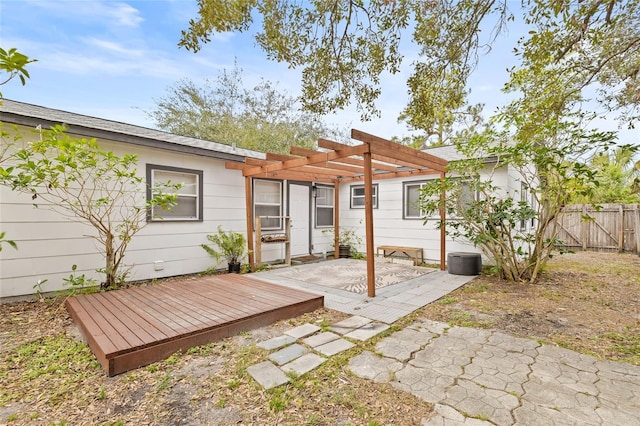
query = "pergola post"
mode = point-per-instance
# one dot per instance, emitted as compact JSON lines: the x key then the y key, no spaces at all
{"x":248,"y":196}
{"x":336,"y":220}
{"x":443,"y":229}
{"x":368,"y":224}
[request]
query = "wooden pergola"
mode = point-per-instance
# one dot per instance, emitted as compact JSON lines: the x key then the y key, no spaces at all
{"x":374,"y":159}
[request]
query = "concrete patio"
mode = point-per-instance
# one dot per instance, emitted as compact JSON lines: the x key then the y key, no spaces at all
{"x":392,"y":301}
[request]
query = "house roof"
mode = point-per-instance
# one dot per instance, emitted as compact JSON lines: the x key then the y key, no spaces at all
{"x":451,"y":153}
{"x":21,"y":113}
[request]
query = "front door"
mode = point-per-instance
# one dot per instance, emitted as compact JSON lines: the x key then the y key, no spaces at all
{"x":299,"y":212}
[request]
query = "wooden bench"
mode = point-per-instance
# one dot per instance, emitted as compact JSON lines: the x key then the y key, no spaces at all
{"x":415,"y":253}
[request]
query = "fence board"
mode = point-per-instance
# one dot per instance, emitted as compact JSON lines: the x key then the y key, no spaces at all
{"x":612,"y":227}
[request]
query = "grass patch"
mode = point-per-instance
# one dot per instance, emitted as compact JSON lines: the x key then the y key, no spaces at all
{"x":624,"y":345}
{"x":57,"y":363}
{"x":464,"y":319}
{"x":477,"y":286}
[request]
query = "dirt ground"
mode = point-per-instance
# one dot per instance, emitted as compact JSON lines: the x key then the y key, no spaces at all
{"x":589,"y":302}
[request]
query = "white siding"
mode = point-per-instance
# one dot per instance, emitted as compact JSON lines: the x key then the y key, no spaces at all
{"x":391,"y":229}
{"x":389,"y":226}
{"x":49,"y":243}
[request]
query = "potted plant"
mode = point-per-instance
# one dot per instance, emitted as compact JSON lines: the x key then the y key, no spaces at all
{"x":230,"y":245}
{"x":347,"y":241}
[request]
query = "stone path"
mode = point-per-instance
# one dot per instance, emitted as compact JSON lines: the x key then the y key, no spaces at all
{"x":306,"y":347}
{"x":472,"y":376}
{"x":390,"y":304}
{"x":483,"y":377}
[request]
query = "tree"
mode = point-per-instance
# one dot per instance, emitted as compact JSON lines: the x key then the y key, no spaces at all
{"x":516,"y":229}
{"x":344,"y":46}
{"x":12,"y":63}
{"x":79,"y":180}
{"x":573,"y":49}
{"x":223,"y":110}
{"x":618,"y":177}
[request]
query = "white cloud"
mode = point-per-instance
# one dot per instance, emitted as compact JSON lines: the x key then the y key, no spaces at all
{"x":124,"y":14}
{"x":108,"y":12}
{"x":82,"y":63}
{"x":113,"y":47}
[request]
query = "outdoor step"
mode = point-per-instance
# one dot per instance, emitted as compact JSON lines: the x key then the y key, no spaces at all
{"x":334,"y":347}
{"x":288,"y":354}
{"x":302,"y":331}
{"x":320,"y":339}
{"x":304,"y":364}
{"x":276,"y":342}
{"x":350,"y":324}
{"x":268,"y":375}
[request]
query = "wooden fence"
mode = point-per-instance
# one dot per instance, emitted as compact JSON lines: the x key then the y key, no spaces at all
{"x":613,"y":227}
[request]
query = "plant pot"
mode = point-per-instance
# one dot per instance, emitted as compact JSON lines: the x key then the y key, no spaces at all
{"x":234,"y":268}
{"x":344,"y":250}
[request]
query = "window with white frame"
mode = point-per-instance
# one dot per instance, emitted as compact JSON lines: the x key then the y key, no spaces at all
{"x":411,"y":196}
{"x":357,"y":196}
{"x":188,"y":204}
{"x":267,"y":202}
{"x":324,"y":206}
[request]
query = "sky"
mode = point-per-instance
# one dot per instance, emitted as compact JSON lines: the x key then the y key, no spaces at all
{"x":114,"y":59}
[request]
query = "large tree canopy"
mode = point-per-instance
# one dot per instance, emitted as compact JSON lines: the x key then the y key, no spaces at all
{"x":618,"y":175}
{"x":262,"y":118}
{"x":344,"y":46}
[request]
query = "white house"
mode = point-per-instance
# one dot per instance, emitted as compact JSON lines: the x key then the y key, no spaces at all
{"x":49,"y":244}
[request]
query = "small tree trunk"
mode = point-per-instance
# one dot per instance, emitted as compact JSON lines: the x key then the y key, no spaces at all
{"x":110,"y":259}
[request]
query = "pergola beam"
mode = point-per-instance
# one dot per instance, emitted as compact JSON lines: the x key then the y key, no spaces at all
{"x":380,"y":176}
{"x":347,"y":160}
{"x":321,"y":157}
{"x":403,"y":163}
{"x":285,"y":174}
{"x":390,"y":149}
{"x":329,"y":165}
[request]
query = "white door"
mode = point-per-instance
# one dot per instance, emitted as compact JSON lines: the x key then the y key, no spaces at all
{"x":299,"y":205}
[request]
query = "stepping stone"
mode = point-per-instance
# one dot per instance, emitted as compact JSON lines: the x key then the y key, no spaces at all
{"x":367,"y":331}
{"x":287,"y":354}
{"x":304,"y":364}
{"x":320,"y":339}
{"x":276,"y":342}
{"x":334,"y":347}
{"x":349,"y":324}
{"x":268,"y":375}
{"x":302,"y":331}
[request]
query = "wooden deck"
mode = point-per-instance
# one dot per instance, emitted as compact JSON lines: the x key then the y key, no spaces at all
{"x":129,"y":328}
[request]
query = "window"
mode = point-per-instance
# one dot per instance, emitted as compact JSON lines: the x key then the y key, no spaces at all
{"x":466,"y":198}
{"x":324,"y":206}
{"x":267,"y":201}
{"x":524,"y":195}
{"x":411,"y":195}
{"x":188,"y":205}
{"x":357,"y":196}
{"x":534,"y":206}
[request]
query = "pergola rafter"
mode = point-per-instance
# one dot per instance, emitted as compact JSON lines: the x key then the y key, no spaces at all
{"x":377,"y":166}
{"x":376,"y":158}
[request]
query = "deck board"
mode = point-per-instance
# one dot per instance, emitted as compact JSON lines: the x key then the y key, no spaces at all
{"x":137,"y":326}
